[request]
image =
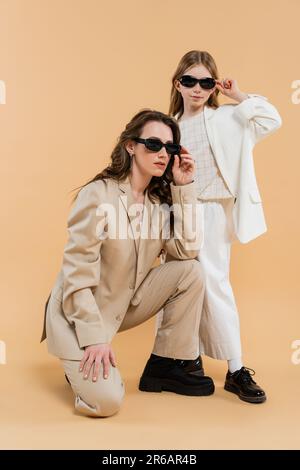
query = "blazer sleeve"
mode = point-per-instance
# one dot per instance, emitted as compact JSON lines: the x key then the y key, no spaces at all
{"x":81,"y":267}
{"x":260,"y":114}
{"x":188,"y":223}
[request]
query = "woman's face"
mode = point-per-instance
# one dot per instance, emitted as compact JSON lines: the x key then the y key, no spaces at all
{"x":196,"y":97}
{"x":145,"y":161}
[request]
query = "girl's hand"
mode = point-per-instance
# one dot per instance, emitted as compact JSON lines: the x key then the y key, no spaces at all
{"x":93,"y":356}
{"x":229,"y":87}
{"x":183,"y":170}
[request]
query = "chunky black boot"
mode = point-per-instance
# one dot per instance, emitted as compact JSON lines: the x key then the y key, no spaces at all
{"x":165,"y":374}
{"x":193,"y":366}
{"x":241,"y":383}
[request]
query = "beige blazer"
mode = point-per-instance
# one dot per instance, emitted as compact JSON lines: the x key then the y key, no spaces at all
{"x":100,"y":277}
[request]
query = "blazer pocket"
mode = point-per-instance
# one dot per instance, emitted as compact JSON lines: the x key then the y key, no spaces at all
{"x":255,"y":195}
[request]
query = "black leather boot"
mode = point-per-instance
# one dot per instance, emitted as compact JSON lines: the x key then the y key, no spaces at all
{"x":193,"y":366}
{"x":241,"y":383}
{"x":165,"y":374}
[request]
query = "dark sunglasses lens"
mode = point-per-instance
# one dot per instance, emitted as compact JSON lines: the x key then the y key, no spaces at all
{"x":173,"y":149}
{"x":207,"y":83}
{"x":188,"y":81}
{"x":153,"y":144}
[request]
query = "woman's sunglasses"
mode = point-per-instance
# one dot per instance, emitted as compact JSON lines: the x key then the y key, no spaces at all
{"x":206,"y":83}
{"x":155,"y":145}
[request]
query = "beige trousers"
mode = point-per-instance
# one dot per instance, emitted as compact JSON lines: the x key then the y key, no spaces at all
{"x":179,"y":288}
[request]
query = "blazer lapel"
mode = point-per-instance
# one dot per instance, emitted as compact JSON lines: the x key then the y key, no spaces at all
{"x":145,"y":226}
{"x":127,"y":199}
{"x":208,"y":114}
{"x":216,"y":148}
{"x":145,"y":234}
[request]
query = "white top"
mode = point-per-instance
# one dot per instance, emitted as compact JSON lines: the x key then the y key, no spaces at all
{"x":210,"y":183}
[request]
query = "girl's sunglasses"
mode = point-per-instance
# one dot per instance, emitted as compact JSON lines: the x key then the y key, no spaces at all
{"x":155,"y":145}
{"x":206,"y":83}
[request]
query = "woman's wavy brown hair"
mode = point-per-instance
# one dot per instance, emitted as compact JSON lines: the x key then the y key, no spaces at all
{"x":189,"y":60}
{"x":120,"y":166}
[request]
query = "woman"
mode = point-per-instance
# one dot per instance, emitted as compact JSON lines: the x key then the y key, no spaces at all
{"x":221,"y":139}
{"x":107,"y":282}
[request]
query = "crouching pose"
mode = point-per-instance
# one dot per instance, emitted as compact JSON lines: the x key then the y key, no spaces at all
{"x":144,"y":203}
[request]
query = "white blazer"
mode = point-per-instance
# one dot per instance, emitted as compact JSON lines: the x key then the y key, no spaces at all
{"x":233,"y":130}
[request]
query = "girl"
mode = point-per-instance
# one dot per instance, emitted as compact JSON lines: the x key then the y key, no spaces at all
{"x":107,"y":283}
{"x":221,"y":139}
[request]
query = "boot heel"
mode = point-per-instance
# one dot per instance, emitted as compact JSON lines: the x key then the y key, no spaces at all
{"x":148,"y":384}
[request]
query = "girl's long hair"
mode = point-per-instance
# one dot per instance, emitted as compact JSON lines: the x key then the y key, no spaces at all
{"x":120,"y":165}
{"x":189,"y":60}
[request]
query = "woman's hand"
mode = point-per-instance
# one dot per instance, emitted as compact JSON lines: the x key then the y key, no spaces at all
{"x":183,"y":171}
{"x":229,"y":87}
{"x":93,"y":356}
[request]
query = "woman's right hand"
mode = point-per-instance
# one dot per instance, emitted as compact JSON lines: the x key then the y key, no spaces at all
{"x":94,"y":355}
{"x":183,"y":168}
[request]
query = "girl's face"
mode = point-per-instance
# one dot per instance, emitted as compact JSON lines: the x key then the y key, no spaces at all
{"x":145,"y":161}
{"x":196,"y":97}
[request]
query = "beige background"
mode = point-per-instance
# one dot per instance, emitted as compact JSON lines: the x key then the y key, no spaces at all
{"x":76,"y":71}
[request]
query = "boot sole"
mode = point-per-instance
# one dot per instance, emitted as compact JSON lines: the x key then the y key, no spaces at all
{"x":152,"y":384}
{"x":232,"y":389}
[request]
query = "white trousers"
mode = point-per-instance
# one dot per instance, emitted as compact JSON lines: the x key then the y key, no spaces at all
{"x":219,"y":332}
